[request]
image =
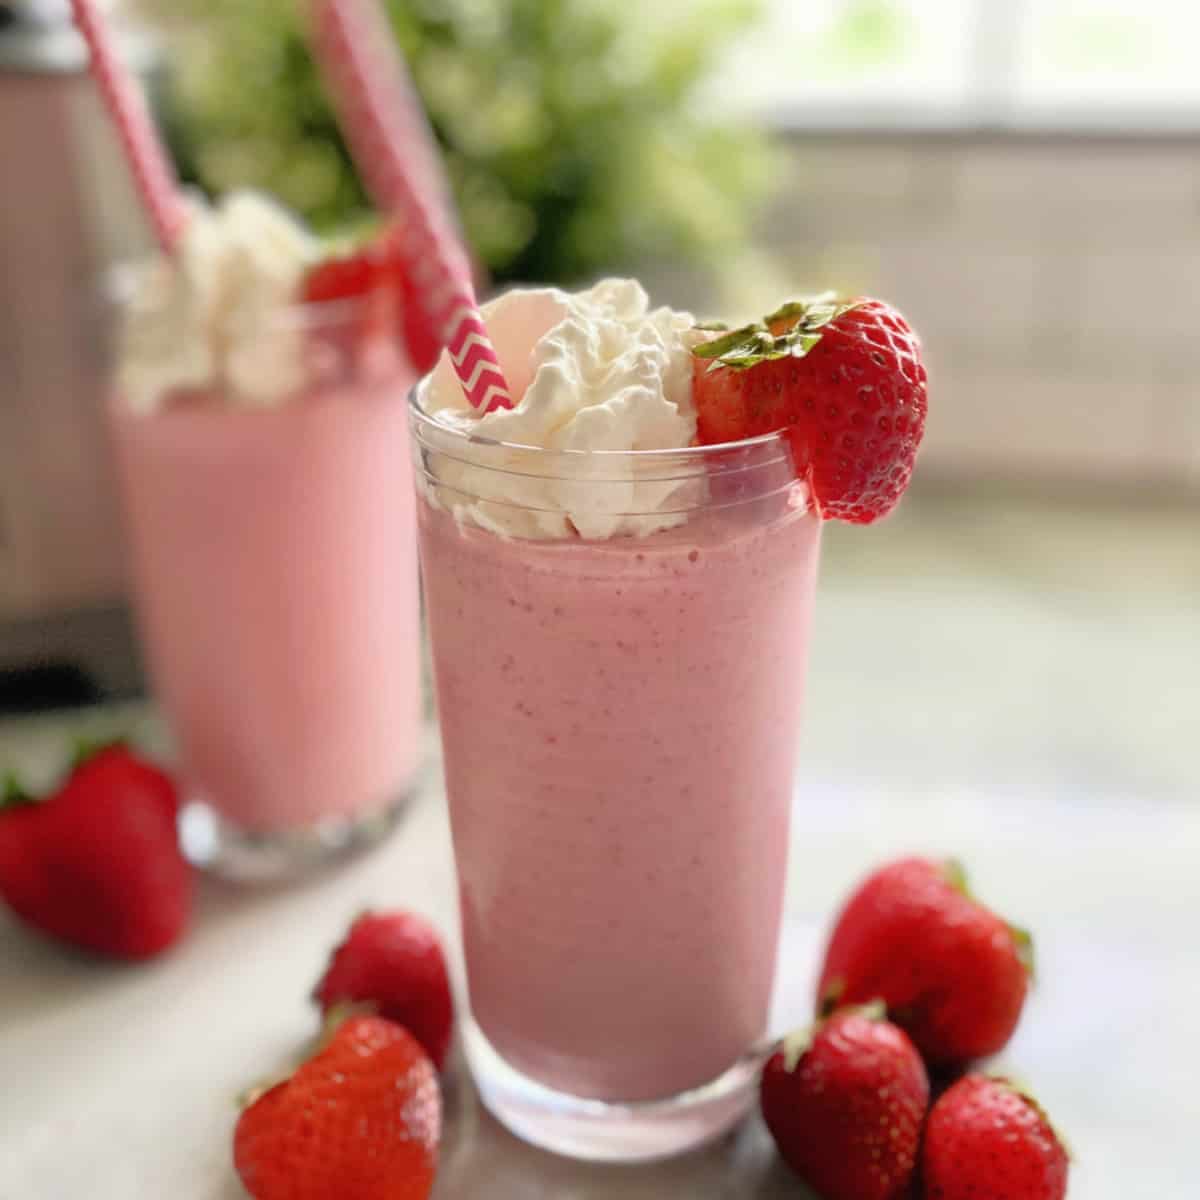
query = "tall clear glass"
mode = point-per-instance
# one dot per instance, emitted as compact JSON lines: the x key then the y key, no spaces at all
{"x":274,"y":564}
{"x":619,"y":719}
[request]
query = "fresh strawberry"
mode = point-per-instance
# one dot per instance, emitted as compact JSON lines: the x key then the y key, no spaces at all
{"x":985,"y":1138}
{"x":378,"y":265}
{"x":424,"y":343}
{"x":844,"y":379}
{"x":343,"y":277}
{"x":393,"y":961}
{"x":98,"y":863}
{"x":845,"y":1103}
{"x":422,"y":340}
{"x":349,"y":339}
{"x":952,"y":973}
{"x":359,"y":1121}
{"x":115,"y":765}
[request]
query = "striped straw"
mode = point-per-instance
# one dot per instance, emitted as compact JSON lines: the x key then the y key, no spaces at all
{"x":394,"y":150}
{"x":144,"y":153}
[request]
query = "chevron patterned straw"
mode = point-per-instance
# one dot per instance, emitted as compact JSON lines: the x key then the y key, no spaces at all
{"x":145,"y":154}
{"x":394,"y":150}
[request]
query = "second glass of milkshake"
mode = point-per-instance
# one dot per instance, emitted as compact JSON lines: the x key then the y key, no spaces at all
{"x":619,"y":624}
{"x":262,"y":449}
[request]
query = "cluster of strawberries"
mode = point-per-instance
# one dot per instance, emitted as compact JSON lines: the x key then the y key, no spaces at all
{"x":96,"y":863}
{"x":848,"y":1101}
{"x":363,"y":1116}
{"x":920,"y":980}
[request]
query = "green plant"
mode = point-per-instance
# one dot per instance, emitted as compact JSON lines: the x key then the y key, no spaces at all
{"x":569,"y":127}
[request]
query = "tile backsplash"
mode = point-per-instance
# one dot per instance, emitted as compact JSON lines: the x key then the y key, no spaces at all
{"x":1056,"y":282}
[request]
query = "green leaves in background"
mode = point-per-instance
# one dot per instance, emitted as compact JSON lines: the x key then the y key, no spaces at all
{"x":570,"y":132}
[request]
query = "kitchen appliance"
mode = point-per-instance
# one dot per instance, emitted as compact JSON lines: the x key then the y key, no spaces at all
{"x":68,"y":212}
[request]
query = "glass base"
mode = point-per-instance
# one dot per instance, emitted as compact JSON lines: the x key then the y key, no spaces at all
{"x":603,"y":1130}
{"x":216,"y":845}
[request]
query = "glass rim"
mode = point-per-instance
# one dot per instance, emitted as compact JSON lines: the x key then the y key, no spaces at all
{"x":423,"y":419}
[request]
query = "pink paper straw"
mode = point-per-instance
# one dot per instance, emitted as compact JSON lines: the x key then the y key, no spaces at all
{"x":402,"y":119}
{"x":144,"y":152}
{"x":393,"y":148}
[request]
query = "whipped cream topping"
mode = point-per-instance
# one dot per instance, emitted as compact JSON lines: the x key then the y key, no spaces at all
{"x":594,"y":370}
{"x":210,"y":316}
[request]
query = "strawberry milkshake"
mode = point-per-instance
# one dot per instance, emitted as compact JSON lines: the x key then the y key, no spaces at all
{"x":619,"y":606}
{"x":619,"y":759}
{"x":261,"y":439}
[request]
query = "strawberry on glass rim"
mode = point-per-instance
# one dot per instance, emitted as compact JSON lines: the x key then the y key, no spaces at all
{"x":343,"y":276}
{"x":376,"y":265}
{"x":842,"y":378}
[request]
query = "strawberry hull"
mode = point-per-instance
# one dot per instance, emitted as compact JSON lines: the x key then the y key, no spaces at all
{"x":846,"y":382}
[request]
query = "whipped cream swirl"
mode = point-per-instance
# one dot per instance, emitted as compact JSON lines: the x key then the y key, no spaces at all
{"x":210,"y":318}
{"x":594,"y":370}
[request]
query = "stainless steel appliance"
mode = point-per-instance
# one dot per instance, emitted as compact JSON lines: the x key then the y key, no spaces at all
{"x":67,"y":212}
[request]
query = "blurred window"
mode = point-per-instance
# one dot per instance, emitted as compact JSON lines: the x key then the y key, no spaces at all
{"x":1108,"y":64}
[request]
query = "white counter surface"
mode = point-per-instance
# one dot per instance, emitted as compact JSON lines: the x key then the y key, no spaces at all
{"x":1026,"y":715}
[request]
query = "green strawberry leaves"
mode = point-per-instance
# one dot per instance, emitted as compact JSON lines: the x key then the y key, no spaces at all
{"x":831,"y":997}
{"x":12,"y":791}
{"x":741,"y":348}
{"x":1023,"y":941}
{"x":796,"y":1044}
{"x":85,"y":747}
{"x":753,"y":344}
{"x":956,"y":876}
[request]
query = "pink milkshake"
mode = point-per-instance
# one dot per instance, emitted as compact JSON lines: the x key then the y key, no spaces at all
{"x":269,"y":511}
{"x":620,"y":749}
{"x":619,"y":641}
{"x":275,"y":602}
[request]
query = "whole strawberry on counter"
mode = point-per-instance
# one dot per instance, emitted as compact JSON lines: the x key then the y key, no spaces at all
{"x":97,"y":862}
{"x":952,"y":973}
{"x":393,"y":962}
{"x":360,"y":1120}
{"x":845,"y":1102}
{"x":986,"y":1138}
{"x":846,"y":382}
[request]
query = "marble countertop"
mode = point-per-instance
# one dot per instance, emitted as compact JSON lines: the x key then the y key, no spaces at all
{"x":1028,"y":703}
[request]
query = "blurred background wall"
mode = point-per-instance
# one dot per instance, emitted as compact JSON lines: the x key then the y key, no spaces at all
{"x":1022,"y":178}
{"x":1055,"y":278}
